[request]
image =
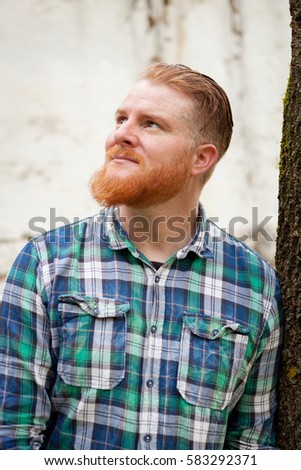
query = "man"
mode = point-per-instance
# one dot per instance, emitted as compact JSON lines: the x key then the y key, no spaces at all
{"x":145,"y":327}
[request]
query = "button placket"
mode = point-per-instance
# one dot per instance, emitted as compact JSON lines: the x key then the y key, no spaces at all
{"x":149,"y":397}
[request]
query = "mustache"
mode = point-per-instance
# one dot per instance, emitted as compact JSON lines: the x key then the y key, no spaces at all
{"x":127,"y":154}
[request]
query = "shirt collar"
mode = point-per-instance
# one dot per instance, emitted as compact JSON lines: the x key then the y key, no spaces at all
{"x":117,"y":239}
{"x":114,"y":233}
{"x":201,"y":244}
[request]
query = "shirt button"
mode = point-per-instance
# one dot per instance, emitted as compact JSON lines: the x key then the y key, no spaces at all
{"x":214,"y":332}
{"x":154,"y":329}
{"x":150,"y":383}
{"x":147,"y":438}
{"x":157,"y":279}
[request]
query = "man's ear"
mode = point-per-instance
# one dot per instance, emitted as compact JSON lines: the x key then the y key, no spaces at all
{"x":204,"y":158}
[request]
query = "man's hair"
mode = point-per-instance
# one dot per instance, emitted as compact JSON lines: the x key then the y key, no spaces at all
{"x":212,"y":117}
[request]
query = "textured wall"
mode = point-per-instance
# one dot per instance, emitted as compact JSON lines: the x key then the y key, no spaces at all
{"x":65,"y":66}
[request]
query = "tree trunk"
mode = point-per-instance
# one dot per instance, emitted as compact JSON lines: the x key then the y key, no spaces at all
{"x":288,"y":252}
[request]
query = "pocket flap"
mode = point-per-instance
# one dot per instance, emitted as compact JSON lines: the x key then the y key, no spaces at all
{"x":212,"y":328}
{"x":99,"y":307}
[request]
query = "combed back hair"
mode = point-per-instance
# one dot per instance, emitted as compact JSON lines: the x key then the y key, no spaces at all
{"x":212,"y":118}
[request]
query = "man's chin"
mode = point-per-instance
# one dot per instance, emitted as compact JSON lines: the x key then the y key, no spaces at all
{"x":122,"y":171}
{"x":117,"y":184}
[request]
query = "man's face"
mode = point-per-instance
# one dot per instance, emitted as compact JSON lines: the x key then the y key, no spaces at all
{"x":148,"y":155}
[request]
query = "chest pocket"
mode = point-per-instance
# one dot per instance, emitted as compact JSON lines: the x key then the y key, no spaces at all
{"x":212,"y":356}
{"x":93,"y":341}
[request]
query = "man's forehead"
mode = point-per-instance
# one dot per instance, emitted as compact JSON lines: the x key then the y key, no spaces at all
{"x":150,"y":94}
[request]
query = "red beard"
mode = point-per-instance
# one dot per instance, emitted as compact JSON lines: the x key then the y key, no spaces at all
{"x":144,"y":187}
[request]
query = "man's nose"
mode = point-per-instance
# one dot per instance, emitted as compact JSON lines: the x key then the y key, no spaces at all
{"x":126,"y":135}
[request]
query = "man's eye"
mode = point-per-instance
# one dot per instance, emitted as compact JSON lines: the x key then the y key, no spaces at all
{"x":152,"y":124}
{"x":120,"y":120}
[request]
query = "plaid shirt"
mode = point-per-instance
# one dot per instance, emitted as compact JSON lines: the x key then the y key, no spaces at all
{"x":100,"y":351}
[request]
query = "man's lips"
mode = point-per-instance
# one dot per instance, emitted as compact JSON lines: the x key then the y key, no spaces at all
{"x":122,"y":155}
{"x":120,"y":158}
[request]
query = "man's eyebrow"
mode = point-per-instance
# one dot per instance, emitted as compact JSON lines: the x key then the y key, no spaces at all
{"x":119,"y":111}
{"x":154,"y":116}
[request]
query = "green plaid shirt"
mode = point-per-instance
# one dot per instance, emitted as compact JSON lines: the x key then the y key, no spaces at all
{"x":99,"y":350}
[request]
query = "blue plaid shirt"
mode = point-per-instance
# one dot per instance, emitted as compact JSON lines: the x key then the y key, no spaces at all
{"x":99,"y":350}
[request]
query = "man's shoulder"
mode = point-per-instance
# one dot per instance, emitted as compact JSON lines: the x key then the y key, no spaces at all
{"x":238,"y":251}
{"x":84,"y":230}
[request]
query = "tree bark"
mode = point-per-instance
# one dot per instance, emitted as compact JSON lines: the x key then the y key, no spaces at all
{"x":288,"y":250}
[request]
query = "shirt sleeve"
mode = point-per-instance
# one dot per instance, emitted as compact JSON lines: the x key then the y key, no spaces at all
{"x":25,"y":355}
{"x":252,"y":421}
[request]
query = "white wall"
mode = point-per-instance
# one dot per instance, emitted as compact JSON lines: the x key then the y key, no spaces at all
{"x":66,"y":64}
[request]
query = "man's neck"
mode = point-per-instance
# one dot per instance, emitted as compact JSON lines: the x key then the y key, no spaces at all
{"x":162,"y":230}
